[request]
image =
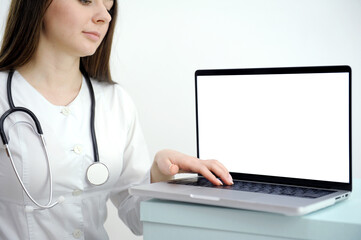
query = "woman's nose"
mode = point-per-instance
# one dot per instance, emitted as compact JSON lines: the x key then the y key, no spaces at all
{"x":102,"y":15}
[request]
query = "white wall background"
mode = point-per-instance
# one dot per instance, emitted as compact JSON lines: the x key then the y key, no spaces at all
{"x":160,"y":43}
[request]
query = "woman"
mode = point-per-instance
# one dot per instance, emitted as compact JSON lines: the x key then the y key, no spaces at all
{"x":50,"y":47}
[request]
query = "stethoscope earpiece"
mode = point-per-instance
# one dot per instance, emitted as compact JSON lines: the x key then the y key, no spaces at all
{"x":30,"y":209}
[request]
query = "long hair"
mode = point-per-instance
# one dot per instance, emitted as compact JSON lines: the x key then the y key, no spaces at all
{"x":22,"y":35}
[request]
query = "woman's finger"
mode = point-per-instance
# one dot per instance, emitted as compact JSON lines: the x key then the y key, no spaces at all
{"x":212,"y":169}
{"x":210,"y":176}
{"x":219,"y":170}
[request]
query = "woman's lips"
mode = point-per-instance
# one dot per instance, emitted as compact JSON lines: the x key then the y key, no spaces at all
{"x":95,"y":36}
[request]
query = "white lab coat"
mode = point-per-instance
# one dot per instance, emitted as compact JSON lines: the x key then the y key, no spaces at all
{"x":67,"y":133}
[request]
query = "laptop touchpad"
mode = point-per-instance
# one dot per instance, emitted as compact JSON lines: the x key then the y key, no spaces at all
{"x":217,"y":194}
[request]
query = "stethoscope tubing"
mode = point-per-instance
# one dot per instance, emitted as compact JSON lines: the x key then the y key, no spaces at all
{"x":47,"y":205}
{"x":8,"y":89}
{"x":13,"y":110}
{"x":92,"y":115}
{"x":4,"y":139}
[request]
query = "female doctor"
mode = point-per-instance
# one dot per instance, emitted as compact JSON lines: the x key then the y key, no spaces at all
{"x":71,"y":136}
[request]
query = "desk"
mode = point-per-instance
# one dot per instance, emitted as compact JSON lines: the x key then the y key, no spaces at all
{"x":171,"y":220}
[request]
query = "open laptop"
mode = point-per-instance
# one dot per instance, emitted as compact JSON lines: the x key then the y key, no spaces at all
{"x":284,"y":134}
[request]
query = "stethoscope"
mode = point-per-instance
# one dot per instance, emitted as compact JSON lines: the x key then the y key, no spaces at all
{"x":96,"y":174}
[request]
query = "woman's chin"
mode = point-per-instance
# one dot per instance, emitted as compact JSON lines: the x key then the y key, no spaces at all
{"x":88,"y":54}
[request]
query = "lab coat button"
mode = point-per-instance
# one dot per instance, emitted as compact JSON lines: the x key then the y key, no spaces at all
{"x":65,"y":111}
{"x":77,"y":192}
{"x":77,"y":233}
{"x":78,"y":149}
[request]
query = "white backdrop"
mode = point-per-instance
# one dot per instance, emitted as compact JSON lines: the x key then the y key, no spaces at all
{"x":160,"y":43}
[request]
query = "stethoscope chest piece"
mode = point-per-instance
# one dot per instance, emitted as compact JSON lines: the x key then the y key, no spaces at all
{"x":97,"y":173}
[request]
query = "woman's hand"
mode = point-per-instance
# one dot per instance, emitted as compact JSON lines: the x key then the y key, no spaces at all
{"x":167,"y":163}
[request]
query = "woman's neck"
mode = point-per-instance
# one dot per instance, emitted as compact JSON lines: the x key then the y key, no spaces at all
{"x":57,"y":77}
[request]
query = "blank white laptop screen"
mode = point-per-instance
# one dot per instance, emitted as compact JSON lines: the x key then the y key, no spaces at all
{"x":285,"y":125}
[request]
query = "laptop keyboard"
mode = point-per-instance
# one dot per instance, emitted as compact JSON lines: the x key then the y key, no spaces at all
{"x":259,"y":187}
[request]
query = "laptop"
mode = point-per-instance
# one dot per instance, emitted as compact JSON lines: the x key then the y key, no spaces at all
{"x":283,"y":133}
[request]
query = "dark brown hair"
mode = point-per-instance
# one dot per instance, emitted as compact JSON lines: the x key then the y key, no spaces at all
{"x":22,"y":34}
